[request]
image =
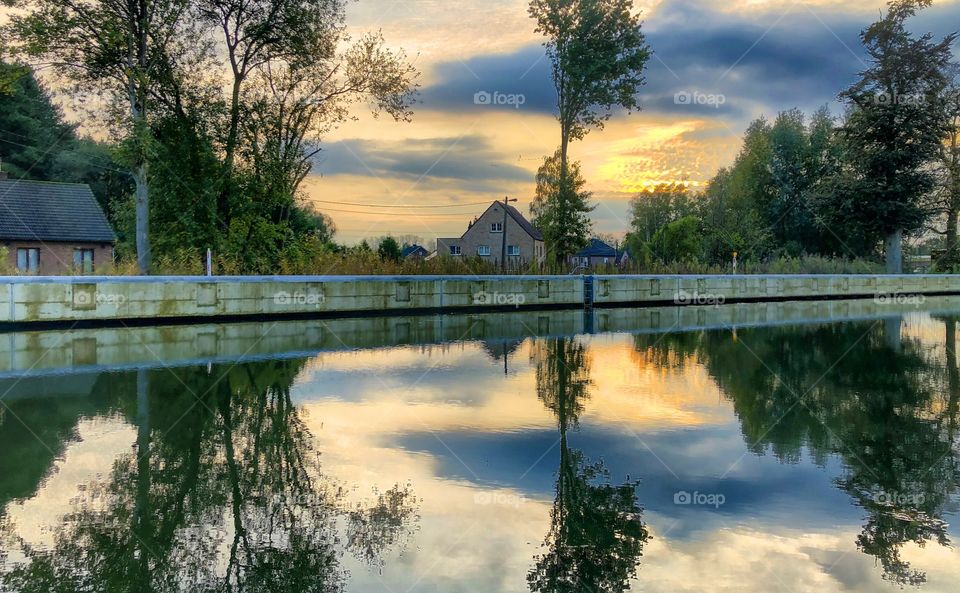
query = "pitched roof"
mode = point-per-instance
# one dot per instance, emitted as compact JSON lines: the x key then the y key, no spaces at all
{"x":414,"y":250}
{"x":597,"y":248}
{"x":46,"y":211}
{"x":524,"y":223}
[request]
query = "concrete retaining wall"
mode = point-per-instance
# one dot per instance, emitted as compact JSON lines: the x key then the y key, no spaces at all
{"x":25,"y":300}
{"x":36,"y":354}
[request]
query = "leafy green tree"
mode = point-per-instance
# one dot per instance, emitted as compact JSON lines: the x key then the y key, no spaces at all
{"x":789,"y":214}
{"x":893,"y":430}
{"x":598,"y":54}
{"x":389,"y":249}
{"x":892,"y":134}
{"x":680,"y":240}
{"x":654,"y":208}
{"x":596,"y":532}
{"x":651,"y":210}
{"x":561,"y":208}
{"x":224,"y":492}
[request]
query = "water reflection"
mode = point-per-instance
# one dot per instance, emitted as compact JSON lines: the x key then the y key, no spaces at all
{"x":848,"y":434}
{"x":887,"y":406}
{"x":223,"y":492}
{"x":596,"y":533}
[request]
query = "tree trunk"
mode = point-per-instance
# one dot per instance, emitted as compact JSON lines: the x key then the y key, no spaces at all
{"x":892,"y":328}
{"x":893,"y":247}
{"x":230,"y":150}
{"x":141,"y":509}
{"x":143,"y":218}
{"x":950,"y":255}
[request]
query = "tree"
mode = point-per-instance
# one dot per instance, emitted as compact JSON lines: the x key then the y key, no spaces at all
{"x":680,"y":240}
{"x":389,"y":249}
{"x":561,"y":208}
{"x":651,"y":210}
{"x":596,"y":532}
{"x":37,"y":143}
{"x":598,"y":55}
{"x":119,"y":47}
{"x":286,"y":90}
{"x":893,"y":132}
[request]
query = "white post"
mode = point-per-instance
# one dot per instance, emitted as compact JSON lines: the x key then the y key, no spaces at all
{"x":209,"y":262}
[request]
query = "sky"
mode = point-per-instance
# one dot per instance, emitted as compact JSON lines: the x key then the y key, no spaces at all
{"x":484,"y":121}
{"x":716,"y":66}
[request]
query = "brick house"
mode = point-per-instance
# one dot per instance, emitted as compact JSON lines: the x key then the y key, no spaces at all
{"x":500,"y":229}
{"x":53,"y":228}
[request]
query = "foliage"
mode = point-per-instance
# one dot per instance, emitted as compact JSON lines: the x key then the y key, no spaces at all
{"x":389,"y":249}
{"x":561,"y":208}
{"x":597,"y":54}
{"x":217,"y":118}
{"x":680,"y":240}
{"x":894,"y":130}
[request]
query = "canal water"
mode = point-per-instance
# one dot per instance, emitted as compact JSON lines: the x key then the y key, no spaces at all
{"x":773,"y":456}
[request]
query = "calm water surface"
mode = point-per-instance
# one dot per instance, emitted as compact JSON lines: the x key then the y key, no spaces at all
{"x":803,"y":457}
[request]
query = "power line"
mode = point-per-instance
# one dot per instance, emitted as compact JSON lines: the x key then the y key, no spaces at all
{"x":454,"y":215}
{"x":402,"y":205}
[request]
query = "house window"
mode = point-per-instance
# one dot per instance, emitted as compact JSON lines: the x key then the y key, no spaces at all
{"x":28,"y":260}
{"x":483,"y":250}
{"x":455,"y":250}
{"x":513,"y":250}
{"x":496,"y":227}
{"x":83,"y":260}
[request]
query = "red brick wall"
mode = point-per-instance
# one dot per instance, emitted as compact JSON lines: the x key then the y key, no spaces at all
{"x":57,"y":258}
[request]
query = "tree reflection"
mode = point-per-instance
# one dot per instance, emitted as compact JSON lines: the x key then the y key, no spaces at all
{"x":861,"y":392}
{"x":596,"y":533}
{"x":224,"y":492}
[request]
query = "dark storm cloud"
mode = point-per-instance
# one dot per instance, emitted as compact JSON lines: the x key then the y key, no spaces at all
{"x":706,"y":62}
{"x":468,"y":159}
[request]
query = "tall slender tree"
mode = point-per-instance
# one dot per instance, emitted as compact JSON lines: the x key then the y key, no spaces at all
{"x":598,"y":54}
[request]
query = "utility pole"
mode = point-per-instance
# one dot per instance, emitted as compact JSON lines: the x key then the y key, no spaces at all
{"x":503,"y":243}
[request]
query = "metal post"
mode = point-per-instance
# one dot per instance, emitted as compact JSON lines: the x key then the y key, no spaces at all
{"x":503,"y":242}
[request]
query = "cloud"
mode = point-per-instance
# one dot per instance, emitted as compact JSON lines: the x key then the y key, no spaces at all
{"x":471,"y":160}
{"x":717,"y":63}
{"x":524,"y":73}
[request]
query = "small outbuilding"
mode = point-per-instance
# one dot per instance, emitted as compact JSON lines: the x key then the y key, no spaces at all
{"x":597,"y":253}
